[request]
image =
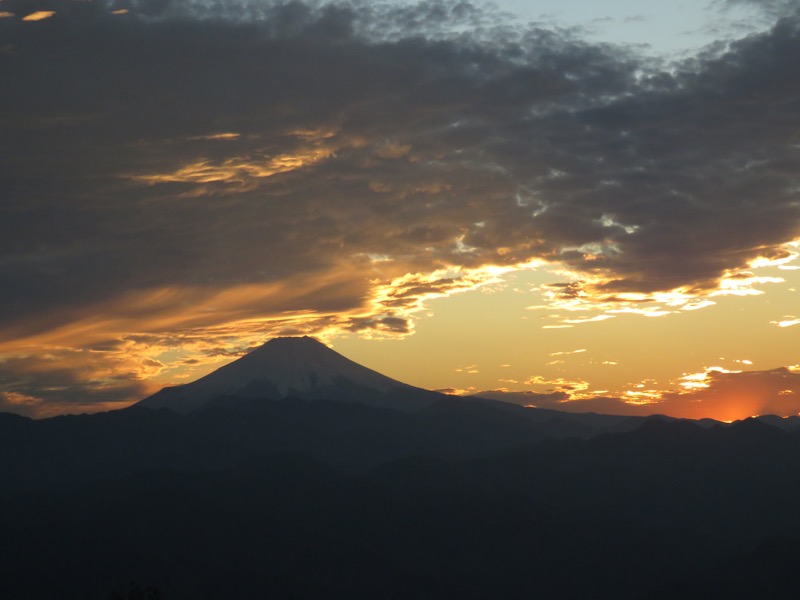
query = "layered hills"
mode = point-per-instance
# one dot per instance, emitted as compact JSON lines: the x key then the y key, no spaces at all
{"x":296,"y":473}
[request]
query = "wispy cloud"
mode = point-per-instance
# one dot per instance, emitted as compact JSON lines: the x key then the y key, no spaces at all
{"x":39,"y":15}
{"x":787,"y":322}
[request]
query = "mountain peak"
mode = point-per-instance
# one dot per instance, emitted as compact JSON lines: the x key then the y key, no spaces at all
{"x":292,"y":367}
{"x":304,"y":344}
{"x":306,"y":341}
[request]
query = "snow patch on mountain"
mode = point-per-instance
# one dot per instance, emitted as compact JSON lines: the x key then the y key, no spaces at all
{"x":292,"y":367}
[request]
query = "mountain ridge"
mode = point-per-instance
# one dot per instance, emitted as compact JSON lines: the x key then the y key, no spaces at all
{"x":252,"y":497}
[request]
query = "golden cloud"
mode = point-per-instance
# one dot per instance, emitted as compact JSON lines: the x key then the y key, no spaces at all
{"x":39,"y":15}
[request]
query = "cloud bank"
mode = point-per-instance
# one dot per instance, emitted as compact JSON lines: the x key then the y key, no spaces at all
{"x":206,"y":174}
{"x":717,"y":393}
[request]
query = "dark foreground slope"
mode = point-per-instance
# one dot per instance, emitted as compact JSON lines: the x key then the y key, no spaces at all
{"x":670,"y":510}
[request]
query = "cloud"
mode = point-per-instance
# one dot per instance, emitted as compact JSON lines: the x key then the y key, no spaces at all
{"x":39,"y":15}
{"x":786,"y":322}
{"x":713,"y":393}
{"x":737,"y":395}
{"x":73,"y":381}
{"x":772,"y":8}
{"x":526,"y":398}
{"x":564,"y":402}
{"x":260,"y":167}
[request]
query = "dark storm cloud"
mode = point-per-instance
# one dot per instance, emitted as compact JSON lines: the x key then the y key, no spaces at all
{"x":97,"y":99}
{"x":188,"y":165}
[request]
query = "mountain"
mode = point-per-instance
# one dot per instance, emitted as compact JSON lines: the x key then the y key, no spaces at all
{"x":669,"y":510}
{"x":290,"y":395}
{"x":785,"y":423}
{"x":293,"y":367}
{"x":294,"y":472}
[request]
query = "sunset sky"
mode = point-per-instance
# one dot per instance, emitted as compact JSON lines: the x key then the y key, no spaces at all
{"x":573,"y":204}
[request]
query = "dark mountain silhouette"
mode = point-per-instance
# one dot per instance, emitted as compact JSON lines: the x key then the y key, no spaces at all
{"x":786,"y":423}
{"x":65,"y":453}
{"x":317,"y":403}
{"x":670,"y":510}
{"x":300,"y":494}
{"x":768,"y":571}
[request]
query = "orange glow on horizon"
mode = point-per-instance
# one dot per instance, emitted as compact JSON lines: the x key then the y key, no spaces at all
{"x":174,"y":334}
{"x":732,"y":408}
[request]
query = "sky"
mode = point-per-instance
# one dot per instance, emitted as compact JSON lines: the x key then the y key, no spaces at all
{"x":572,"y":205}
